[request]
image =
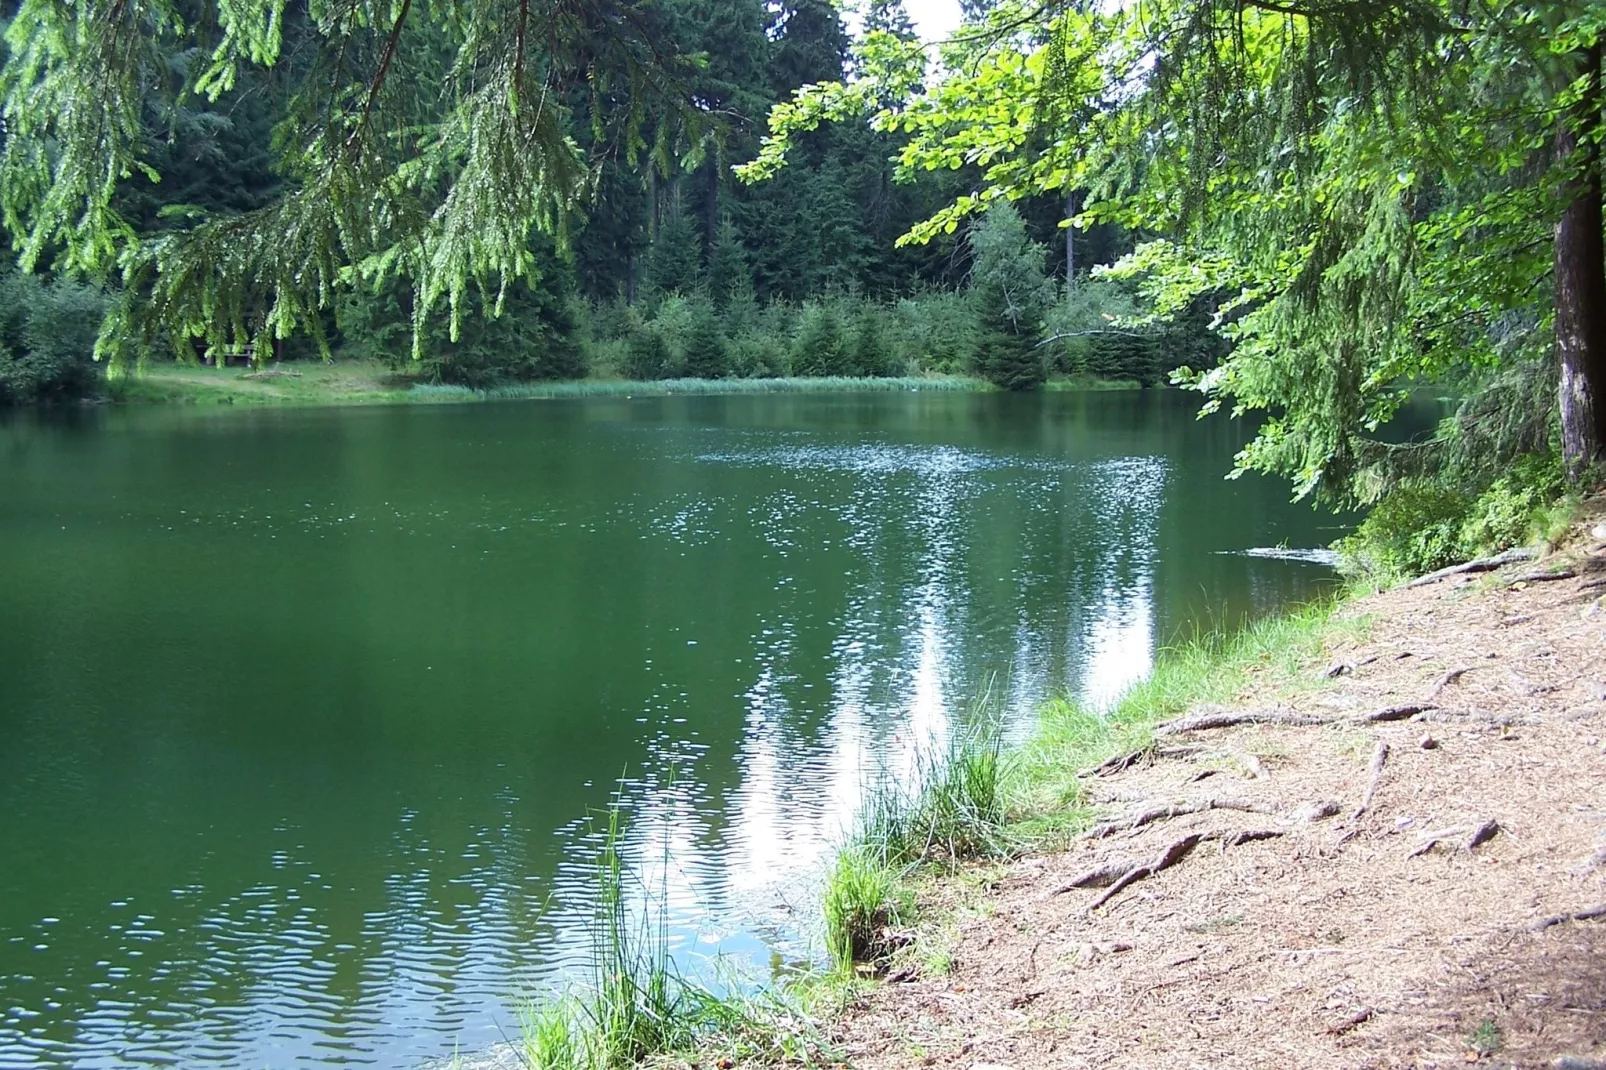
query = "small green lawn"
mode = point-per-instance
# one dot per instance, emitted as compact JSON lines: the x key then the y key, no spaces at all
{"x":354,"y":382}
{"x":308,"y":383}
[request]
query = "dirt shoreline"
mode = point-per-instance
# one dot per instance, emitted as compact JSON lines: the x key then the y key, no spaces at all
{"x":1350,"y":891}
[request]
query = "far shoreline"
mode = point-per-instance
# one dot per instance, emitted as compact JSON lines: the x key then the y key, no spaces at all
{"x":311,"y":383}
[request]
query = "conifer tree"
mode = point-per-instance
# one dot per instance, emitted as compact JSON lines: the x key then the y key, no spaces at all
{"x":674,"y":259}
{"x":820,"y":346}
{"x":728,"y":274}
{"x":647,"y":357}
{"x":1011,"y":291}
{"x":872,"y":349}
{"x":707,"y":353}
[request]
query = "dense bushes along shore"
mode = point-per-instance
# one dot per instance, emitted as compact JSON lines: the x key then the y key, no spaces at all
{"x":1012,"y":325}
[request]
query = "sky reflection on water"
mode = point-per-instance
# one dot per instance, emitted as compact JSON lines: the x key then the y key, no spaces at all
{"x":310,"y":714}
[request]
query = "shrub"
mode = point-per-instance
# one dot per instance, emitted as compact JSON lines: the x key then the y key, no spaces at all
{"x":706,"y":354}
{"x":673,"y":323}
{"x":647,"y":356}
{"x":872,"y":350}
{"x":936,"y":331}
{"x":1416,"y":528}
{"x":47,"y":339}
{"x":820,"y":345}
{"x":1506,"y":514}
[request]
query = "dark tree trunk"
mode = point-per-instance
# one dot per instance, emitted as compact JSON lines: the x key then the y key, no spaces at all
{"x":653,"y":216}
{"x":1581,"y":285}
{"x":710,"y":206}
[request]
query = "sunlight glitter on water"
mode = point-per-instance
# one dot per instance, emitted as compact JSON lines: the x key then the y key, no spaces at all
{"x":309,"y":715}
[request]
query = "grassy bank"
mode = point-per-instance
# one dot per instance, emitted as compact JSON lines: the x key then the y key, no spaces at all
{"x":970,"y":801}
{"x":978,"y":801}
{"x":307,"y":383}
{"x":372,"y":382}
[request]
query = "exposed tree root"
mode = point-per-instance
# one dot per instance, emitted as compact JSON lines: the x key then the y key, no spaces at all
{"x":1204,"y":720}
{"x":1396,"y":713}
{"x":1542,"y":577}
{"x":1498,"y":720}
{"x":1130,"y":873}
{"x":1238,"y":839}
{"x":1099,"y":876}
{"x":1475,"y":836}
{"x":1483,"y":834}
{"x":1483,"y":564}
{"x":1592,"y":914}
{"x":1446,"y":680}
{"x":1380,"y":757}
{"x":1254,"y":768}
{"x":1120,"y":763}
{"x":1167,"y":858}
{"x":1360,"y":1017}
{"x":1314,"y":811}
{"x":1342,"y":668}
{"x":1164,"y":813}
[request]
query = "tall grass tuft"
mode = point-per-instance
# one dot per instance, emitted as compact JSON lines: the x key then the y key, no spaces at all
{"x":860,"y":905}
{"x":636,"y":1005}
{"x":639,"y":1004}
{"x":954,"y":811}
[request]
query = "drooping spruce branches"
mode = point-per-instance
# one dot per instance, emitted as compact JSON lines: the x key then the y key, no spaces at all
{"x":428,"y":139}
{"x":1368,"y":189}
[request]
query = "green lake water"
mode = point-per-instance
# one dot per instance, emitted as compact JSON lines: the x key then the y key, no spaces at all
{"x":304,"y":711}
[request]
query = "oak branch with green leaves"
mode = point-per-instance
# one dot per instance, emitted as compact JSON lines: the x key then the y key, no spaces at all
{"x":1380,"y":193}
{"x":423,"y":139}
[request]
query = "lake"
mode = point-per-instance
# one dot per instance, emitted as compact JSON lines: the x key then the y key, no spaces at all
{"x":307,"y":713}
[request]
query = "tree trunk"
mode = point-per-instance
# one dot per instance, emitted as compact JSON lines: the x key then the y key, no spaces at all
{"x":710,"y":206}
{"x":652,"y":202}
{"x":1581,"y":284}
{"x":1070,"y":244}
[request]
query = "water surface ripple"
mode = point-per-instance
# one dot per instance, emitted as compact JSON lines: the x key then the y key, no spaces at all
{"x":309,"y":715}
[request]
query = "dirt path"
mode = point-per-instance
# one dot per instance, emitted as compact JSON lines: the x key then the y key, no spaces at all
{"x":1309,"y":917}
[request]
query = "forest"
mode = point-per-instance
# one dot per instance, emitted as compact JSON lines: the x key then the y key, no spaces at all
{"x":663,"y":264}
{"x":1305,"y":211}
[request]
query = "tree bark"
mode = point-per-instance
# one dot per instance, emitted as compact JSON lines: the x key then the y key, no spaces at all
{"x":1070,"y":244}
{"x":710,"y":206}
{"x":1581,"y":282}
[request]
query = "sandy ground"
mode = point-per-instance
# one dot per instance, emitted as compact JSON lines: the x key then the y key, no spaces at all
{"x":1351,"y":937}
